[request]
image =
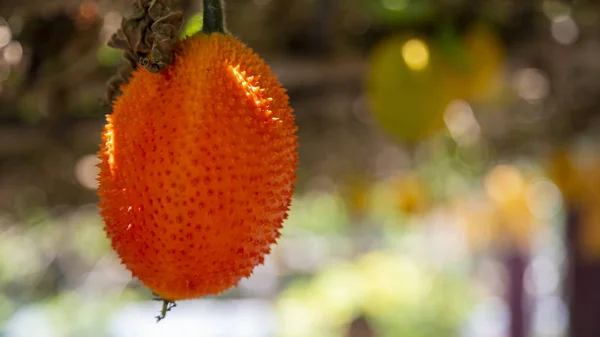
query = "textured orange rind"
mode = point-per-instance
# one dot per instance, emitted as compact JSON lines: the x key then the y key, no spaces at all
{"x":198,"y":168}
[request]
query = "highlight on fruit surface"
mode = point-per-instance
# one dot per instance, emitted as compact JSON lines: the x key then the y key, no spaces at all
{"x":198,"y":166}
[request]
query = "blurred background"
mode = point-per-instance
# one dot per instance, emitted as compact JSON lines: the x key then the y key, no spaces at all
{"x":448,"y":185}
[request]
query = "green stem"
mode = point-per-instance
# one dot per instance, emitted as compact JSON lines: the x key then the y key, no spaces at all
{"x":214,"y":17}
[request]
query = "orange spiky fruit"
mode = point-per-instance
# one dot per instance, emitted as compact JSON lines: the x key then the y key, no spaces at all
{"x":198,"y":168}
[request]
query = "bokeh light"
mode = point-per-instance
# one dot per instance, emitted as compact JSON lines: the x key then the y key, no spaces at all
{"x":531,"y":84}
{"x":395,"y":5}
{"x":13,"y":53}
{"x":111,"y":23}
{"x":416,"y":54}
{"x":504,"y":183}
{"x":86,"y":171}
{"x":5,"y":34}
{"x":461,"y":123}
{"x":544,"y":199}
{"x":564,"y":30}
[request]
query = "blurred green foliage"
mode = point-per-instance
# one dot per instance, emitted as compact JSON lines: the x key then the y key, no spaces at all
{"x":399,"y":11}
{"x":400,"y":297}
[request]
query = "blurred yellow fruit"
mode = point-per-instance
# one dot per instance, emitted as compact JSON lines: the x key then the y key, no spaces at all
{"x":485,"y":58}
{"x":411,"y":80}
{"x":409,"y":86}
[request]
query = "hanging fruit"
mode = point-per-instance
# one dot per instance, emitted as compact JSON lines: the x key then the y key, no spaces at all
{"x":484,"y":59}
{"x":198,"y":158}
{"x":409,"y":86}
{"x":412,"y":79}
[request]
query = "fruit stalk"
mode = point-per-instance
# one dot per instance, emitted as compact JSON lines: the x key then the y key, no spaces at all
{"x":214,"y":17}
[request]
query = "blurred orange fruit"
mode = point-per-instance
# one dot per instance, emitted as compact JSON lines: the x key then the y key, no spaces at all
{"x":198,"y":169}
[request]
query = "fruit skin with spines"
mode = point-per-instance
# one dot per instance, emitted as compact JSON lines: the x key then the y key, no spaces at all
{"x":198,"y":168}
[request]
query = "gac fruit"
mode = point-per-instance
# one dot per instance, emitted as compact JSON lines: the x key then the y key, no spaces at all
{"x":198,"y":168}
